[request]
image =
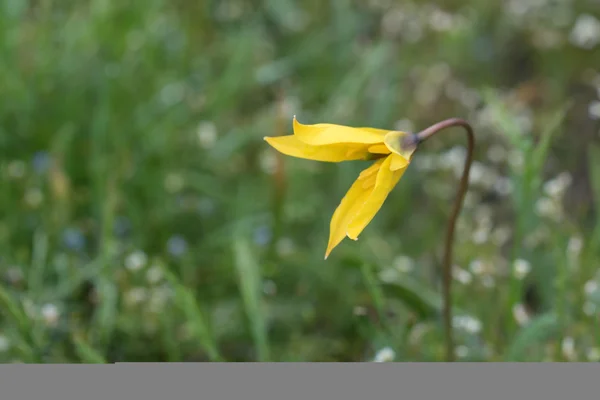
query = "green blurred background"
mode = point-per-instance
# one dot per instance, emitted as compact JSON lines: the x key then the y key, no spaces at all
{"x":143,"y":218}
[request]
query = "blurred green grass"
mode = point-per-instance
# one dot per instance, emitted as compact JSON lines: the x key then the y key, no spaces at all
{"x":142,"y":217}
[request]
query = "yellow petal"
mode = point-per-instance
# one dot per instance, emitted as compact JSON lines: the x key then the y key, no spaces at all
{"x":291,"y":146}
{"x":385,"y":182}
{"x":351,"y":204}
{"x":393,"y":141}
{"x":379,"y":149}
{"x":325,"y":134}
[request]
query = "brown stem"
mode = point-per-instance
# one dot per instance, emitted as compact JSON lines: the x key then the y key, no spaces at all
{"x":462,"y":189}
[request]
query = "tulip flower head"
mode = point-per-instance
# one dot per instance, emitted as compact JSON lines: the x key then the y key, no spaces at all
{"x":336,"y":143}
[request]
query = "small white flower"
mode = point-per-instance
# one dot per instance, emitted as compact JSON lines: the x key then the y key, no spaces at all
{"x":521,"y":268}
{"x":174,"y":182}
{"x":593,"y":354}
{"x":50,"y":314}
{"x":590,"y":287}
{"x":154,"y":274}
{"x":467,"y":323}
{"x":594,"y":109}
{"x":461,"y":275}
{"x":461,"y":351}
{"x":520,"y":314}
{"x":404,"y":264}
{"x":586,"y":32}
{"x":477,"y":267}
{"x":136,"y":260}
{"x":207,"y":134}
{"x":568,"y":348}
{"x":481,"y":236}
{"x":385,"y":355}
{"x":575,"y":246}
{"x":136,"y":295}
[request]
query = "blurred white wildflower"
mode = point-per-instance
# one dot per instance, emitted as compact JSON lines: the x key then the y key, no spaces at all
{"x":503,"y":186}
{"x":586,"y":32}
{"x":136,"y":260}
{"x":174,"y":182}
{"x":520,"y":314}
{"x":589,"y":308}
{"x":555,"y":188}
{"x":481,"y":235}
{"x":417,"y":333}
{"x":590,"y":287}
{"x":593,"y":354}
{"x":461,"y":351}
{"x":154,"y":274}
{"x":454,"y":159}
{"x":594,"y":109}
{"x":4,"y":343}
{"x":548,"y":208}
{"x":50,"y":314}
{"x":521,"y":268}
{"x":385,"y":355}
{"x":16,"y":169}
{"x":461,"y":275}
{"x":440,"y":20}
{"x":135,"y":296}
{"x":158,"y":298}
{"x":568,"y":348}
{"x":477,"y":267}
{"x":404,"y":264}
{"x":574,"y":248}
{"x":207,"y":134}
{"x":34,"y":197}
{"x":467,"y":323}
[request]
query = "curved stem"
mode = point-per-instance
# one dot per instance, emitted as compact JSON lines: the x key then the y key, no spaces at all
{"x":462,"y":190}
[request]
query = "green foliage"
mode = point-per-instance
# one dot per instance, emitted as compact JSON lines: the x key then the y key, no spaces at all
{"x":143,"y":218}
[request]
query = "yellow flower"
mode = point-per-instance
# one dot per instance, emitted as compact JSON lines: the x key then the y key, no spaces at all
{"x":336,"y":143}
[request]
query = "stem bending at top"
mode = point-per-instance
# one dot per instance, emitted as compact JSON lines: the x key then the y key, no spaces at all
{"x":415,"y":140}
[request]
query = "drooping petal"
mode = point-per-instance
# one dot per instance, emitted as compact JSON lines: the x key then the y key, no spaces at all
{"x":291,"y":146}
{"x":385,"y":182}
{"x":352,"y":202}
{"x":379,"y":149}
{"x":325,"y":134}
